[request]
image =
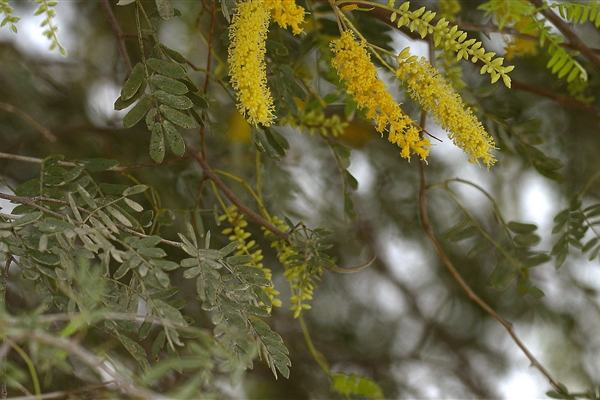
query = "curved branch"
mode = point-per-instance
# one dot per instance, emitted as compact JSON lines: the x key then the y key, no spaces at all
{"x":465,"y":287}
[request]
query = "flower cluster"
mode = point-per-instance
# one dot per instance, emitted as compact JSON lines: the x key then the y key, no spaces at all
{"x":247,"y":48}
{"x":355,"y":68}
{"x":287,"y":12}
{"x":427,"y":87}
{"x":248,"y":247}
{"x":296,"y":270}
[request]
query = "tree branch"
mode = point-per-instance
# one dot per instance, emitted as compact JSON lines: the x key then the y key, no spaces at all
{"x":465,"y":287}
{"x":116,"y":28}
{"x":96,"y":363}
{"x":559,"y":98}
{"x":232,"y":197}
{"x":39,"y":127}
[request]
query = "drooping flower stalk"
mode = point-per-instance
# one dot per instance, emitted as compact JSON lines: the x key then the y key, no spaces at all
{"x":247,"y":48}
{"x":358,"y":72}
{"x":428,"y":88}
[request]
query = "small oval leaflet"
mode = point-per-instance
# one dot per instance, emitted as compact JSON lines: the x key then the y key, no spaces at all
{"x":166,"y":68}
{"x":175,"y":101}
{"x":198,"y":100}
{"x":134,"y":82}
{"x":177,"y":117}
{"x":135,"y":190}
{"x":137,"y":112}
{"x":165,"y":9}
{"x":157,"y":143}
{"x":121,"y":104}
{"x":519,"y":227}
{"x":174,"y":138}
{"x":98,"y":164}
{"x":27,"y":219}
{"x":169,"y":85}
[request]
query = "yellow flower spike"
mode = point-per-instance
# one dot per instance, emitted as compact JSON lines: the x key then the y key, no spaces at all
{"x":246,"y":58}
{"x":286,"y":12}
{"x":427,"y":87}
{"x":355,"y":68}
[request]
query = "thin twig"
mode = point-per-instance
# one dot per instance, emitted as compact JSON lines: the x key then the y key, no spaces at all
{"x":116,"y":28}
{"x":559,"y":98}
{"x":66,"y":394}
{"x":39,"y":127}
{"x":35,"y":160}
{"x":465,"y":287}
{"x":208,"y":172}
{"x":91,"y":360}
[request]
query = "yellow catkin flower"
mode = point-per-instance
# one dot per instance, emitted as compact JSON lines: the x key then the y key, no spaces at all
{"x":287,"y":12}
{"x":248,"y":35}
{"x":427,"y":87}
{"x":354,"y":66}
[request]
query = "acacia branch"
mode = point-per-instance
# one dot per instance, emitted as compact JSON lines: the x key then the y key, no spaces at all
{"x":467,"y":289}
{"x":33,"y":202}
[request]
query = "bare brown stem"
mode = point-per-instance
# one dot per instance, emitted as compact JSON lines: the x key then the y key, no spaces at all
{"x":116,"y":28}
{"x":557,"y":97}
{"x":39,"y":127}
{"x":208,"y":172}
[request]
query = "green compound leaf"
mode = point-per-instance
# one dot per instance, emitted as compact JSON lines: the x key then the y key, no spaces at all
{"x":157,"y":143}
{"x":356,"y":385}
{"x":134,"y":82}
{"x":174,"y":138}
{"x":166,"y":68}
{"x":177,"y":117}
{"x":137,"y":112}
